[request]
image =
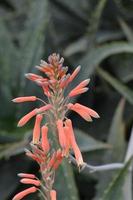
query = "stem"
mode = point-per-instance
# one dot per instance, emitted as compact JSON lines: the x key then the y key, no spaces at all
{"x":45,"y":198}
{"x":41,"y":101}
{"x":92,"y":169}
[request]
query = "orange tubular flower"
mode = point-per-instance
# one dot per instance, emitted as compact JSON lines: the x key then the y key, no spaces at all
{"x":62,"y":138}
{"x":55,"y":160}
{"x":45,"y":142}
{"x":82,"y":84}
{"x":24,"y":193}
{"x":79,"y":89}
{"x":53,"y":194}
{"x":73,"y":143}
{"x":74,"y":74}
{"x":34,"y":157}
{"x":24,"y":175}
{"x":65,"y":81}
{"x":33,"y":77}
{"x":30,"y":181}
{"x":58,"y":160}
{"x":27,"y":117}
{"x":83,"y":111}
{"x":77,"y":92}
{"x":52,"y":160}
{"x":24,"y":99}
{"x":68,"y":145}
{"x":36,"y":131}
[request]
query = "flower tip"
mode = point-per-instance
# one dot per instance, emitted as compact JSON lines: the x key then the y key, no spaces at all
{"x":86,"y":89}
{"x":27,"y":75}
{"x":87,"y":81}
{"x":78,"y":68}
{"x":81,"y":166}
{"x":89,"y":119}
{"x":97,"y":115}
{"x":19,"y":125}
{"x":14,"y":100}
{"x":37,"y":67}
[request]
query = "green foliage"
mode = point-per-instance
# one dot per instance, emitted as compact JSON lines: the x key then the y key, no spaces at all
{"x":121,"y":88}
{"x":88,"y":143}
{"x":116,"y":154}
{"x":114,"y":190}
{"x":99,"y":36}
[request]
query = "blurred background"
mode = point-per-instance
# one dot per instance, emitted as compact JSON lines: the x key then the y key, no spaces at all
{"x":98,"y":35}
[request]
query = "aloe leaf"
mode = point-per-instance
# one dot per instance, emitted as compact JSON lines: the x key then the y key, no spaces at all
{"x":105,"y":36}
{"x":32,"y":38}
{"x":125,"y":9}
{"x":95,"y":18}
{"x":115,"y":154}
{"x":88,"y":143}
{"x":92,"y":59}
{"x":7,"y":53}
{"x":124,"y":72}
{"x":65,"y":183}
{"x":73,"y":8}
{"x":116,"y":131}
{"x":126,"y":29}
{"x":119,"y":86}
{"x":82,"y":44}
{"x":9,"y":150}
{"x":114,"y":189}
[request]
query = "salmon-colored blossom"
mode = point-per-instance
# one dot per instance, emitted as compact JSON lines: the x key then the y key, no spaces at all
{"x":73,"y":143}
{"x":30,"y":181}
{"x":34,"y":157}
{"x":36,"y":131}
{"x":83,"y":111}
{"x":26,"y":118}
{"x":61,"y":134}
{"x":82,"y":84}
{"x":55,"y":160}
{"x":77,"y":92}
{"x":74,"y":74}
{"x":58,"y":159}
{"x":65,"y":81}
{"x":33,"y":77}
{"x":24,"y":99}
{"x":24,"y":193}
{"x":68,"y":144}
{"x":45,"y":142}
{"x":53,"y":194}
{"x":25,"y":175}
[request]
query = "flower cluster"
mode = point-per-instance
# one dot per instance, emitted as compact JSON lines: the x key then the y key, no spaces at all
{"x":49,"y":157}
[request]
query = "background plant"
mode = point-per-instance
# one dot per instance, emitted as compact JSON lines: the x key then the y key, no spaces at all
{"x":96,"y":34}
